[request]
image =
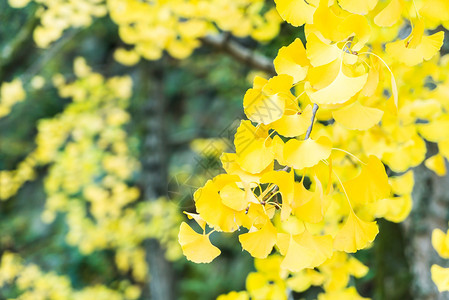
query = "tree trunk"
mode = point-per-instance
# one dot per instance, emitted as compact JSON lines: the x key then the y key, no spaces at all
{"x":430,"y":211}
{"x":154,"y":173}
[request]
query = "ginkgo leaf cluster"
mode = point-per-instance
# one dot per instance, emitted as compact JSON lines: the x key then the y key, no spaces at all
{"x":344,"y":105}
{"x":150,"y":28}
{"x":86,"y":149}
{"x":33,"y":283}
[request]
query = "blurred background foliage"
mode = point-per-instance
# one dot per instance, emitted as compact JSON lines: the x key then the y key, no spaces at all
{"x":203,"y":103}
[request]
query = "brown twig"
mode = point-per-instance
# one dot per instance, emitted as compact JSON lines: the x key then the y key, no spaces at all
{"x":240,"y":53}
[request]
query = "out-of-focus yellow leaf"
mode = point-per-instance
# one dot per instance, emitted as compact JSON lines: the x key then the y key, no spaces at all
{"x":437,"y":164}
{"x":296,"y":12}
{"x":361,"y":7}
{"x":390,"y":15}
{"x":370,"y":185}
{"x":440,"y":276}
{"x":427,"y":48}
{"x":440,"y":242}
{"x":355,"y":234}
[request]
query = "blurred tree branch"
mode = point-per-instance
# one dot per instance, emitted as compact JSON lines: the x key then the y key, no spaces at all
{"x":49,"y":54}
{"x":19,"y":48}
{"x":224,"y":43}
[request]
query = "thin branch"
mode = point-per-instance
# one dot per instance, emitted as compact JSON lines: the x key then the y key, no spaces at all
{"x":240,"y":53}
{"x":49,"y":54}
{"x":309,"y":130}
{"x":18,"y":49}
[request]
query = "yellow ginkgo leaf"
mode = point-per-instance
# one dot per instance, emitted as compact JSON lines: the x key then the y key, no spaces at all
{"x":394,"y":209}
{"x":233,"y":197}
{"x":302,"y":195}
{"x":263,"y":108}
{"x":259,"y":243}
{"x":211,"y":208}
{"x":302,"y":281}
{"x":417,"y":34}
{"x":322,"y":246}
{"x":233,"y":295}
{"x":229,"y":163}
{"x":390,"y":15}
{"x":355,"y":234}
{"x":356,"y":26}
{"x":306,"y":251}
{"x":196,"y":247}
{"x":356,"y":268}
{"x":338,"y":273}
{"x":326,"y":22}
{"x":443,"y":146}
{"x":311,"y":207}
{"x":426,"y":109}
{"x":437,"y":164}
{"x":18,"y":3}
{"x":282,"y":242}
{"x":197,"y":219}
{"x":292,"y":60}
{"x":259,"y":82}
{"x":256,"y":215}
{"x":319,"y":52}
{"x":370,"y":185}
{"x":256,"y":157}
{"x":409,"y":155}
{"x":373,"y":79}
{"x":266,"y":105}
{"x":126,"y":57}
{"x":296,"y":12}
{"x":297,"y":256}
{"x":269,"y":266}
{"x":253,"y":148}
{"x":284,"y":181}
{"x":295,"y":124}
{"x":361,"y":7}
{"x":427,"y":48}
{"x":435,"y":9}
{"x":435,"y":131}
{"x":278,"y":149}
{"x":246,"y":134}
{"x":402,"y":185}
{"x":280,"y":83}
{"x":440,"y":242}
{"x":440,"y":276}
{"x":359,"y":117}
{"x":321,"y":76}
{"x":306,"y":154}
{"x":342,"y":294}
{"x":338,"y":91}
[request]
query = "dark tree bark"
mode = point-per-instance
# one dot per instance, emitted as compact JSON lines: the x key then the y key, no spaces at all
{"x":430,"y":211}
{"x":154,"y":173}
